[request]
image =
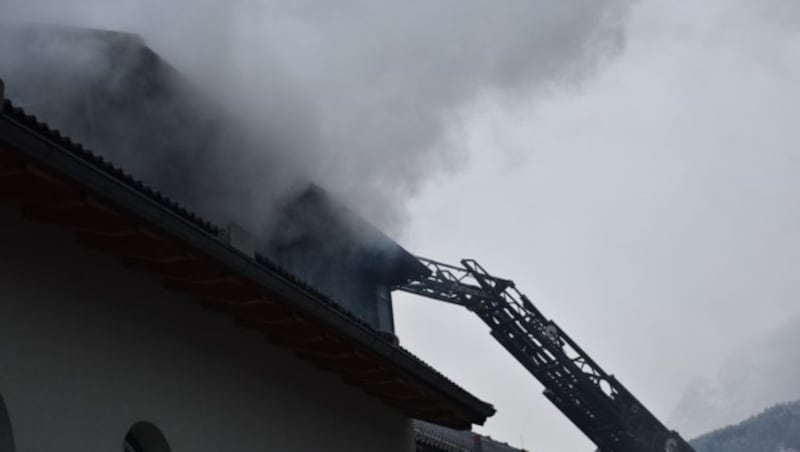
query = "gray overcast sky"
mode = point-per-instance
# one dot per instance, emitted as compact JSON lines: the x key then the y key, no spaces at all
{"x":643,"y":195}
{"x":652,"y":212}
{"x":356,"y":93}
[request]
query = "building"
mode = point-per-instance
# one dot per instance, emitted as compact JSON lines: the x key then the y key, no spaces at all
{"x":127,"y":321}
{"x":123,"y":313}
{"x":113,"y":94}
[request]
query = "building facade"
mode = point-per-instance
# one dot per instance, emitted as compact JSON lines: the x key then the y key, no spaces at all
{"x":129,"y":323}
{"x":89,"y":350}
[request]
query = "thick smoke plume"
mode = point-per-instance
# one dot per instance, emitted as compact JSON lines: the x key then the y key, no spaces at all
{"x":361,"y":97}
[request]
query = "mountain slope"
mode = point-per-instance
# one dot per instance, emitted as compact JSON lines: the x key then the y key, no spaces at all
{"x":756,"y":376}
{"x":777,"y":429}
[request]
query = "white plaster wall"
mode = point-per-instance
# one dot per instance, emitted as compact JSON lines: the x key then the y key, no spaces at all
{"x":88,"y":348}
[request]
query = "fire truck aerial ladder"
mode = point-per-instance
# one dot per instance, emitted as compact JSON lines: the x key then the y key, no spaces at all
{"x":593,"y":400}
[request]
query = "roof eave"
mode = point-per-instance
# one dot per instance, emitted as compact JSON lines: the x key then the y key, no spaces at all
{"x":48,"y":149}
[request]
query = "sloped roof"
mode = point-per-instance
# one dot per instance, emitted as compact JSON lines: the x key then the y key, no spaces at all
{"x":443,"y":439}
{"x":114,"y":94}
{"x":60,"y":182}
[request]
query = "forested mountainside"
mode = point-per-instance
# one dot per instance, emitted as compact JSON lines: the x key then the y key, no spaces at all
{"x":777,"y":429}
{"x":756,"y":376}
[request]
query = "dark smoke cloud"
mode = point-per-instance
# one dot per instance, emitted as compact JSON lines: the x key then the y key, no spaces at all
{"x":360,"y":96}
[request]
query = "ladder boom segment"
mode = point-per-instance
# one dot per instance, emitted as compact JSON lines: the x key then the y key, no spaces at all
{"x":600,"y":406}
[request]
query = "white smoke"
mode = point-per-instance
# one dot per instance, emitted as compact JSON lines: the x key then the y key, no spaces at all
{"x":363,"y":93}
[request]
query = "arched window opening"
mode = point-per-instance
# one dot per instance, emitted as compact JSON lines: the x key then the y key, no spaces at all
{"x":145,"y":437}
{"x":6,"y":434}
{"x":131,"y":445}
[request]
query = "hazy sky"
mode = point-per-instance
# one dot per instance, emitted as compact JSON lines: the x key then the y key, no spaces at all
{"x":652,"y":212}
{"x":363,"y":91}
{"x":633,"y":171}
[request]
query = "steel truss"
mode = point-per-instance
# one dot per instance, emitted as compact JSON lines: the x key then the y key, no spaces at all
{"x":599,"y":405}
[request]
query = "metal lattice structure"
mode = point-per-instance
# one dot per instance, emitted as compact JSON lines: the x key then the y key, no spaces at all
{"x":600,"y":406}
